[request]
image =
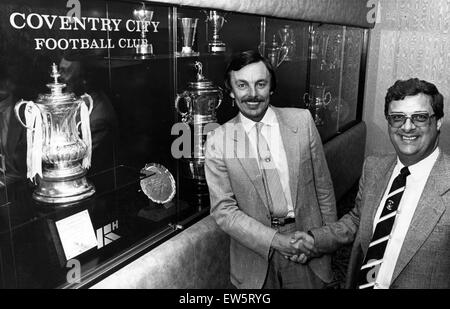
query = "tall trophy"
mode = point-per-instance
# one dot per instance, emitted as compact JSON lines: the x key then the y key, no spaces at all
{"x":197,"y":106}
{"x":317,"y":100}
{"x":144,"y":17}
{"x":216,"y":21}
{"x":188,"y":29}
{"x":57,"y":158}
{"x":275,"y":53}
{"x":287,"y":39}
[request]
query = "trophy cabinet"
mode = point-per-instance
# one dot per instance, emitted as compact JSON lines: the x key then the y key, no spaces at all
{"x":155,"y":73}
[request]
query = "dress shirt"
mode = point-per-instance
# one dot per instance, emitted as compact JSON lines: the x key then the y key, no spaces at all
{"x":271,"y":132}
{"x":415,"y":184}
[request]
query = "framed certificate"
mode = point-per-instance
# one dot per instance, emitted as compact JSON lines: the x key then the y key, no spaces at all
{"x":76,"y":234}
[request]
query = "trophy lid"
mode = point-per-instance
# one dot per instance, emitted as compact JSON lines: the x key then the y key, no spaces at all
{"x":56,"y":94}
{"x":202,"y":82}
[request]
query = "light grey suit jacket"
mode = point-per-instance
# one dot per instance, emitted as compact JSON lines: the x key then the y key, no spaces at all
{"x":424,"y":260}
{"x":238,"y":200}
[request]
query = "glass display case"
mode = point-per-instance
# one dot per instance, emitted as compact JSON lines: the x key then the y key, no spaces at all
{"x":154,"y":72}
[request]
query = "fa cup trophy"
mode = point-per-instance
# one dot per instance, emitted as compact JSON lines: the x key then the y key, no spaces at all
{"x":317,"y":101}
{"x":188,"y":29}
{"x":216,"y":21}
{"x":144,"y":17}
{"x":200,"y":102}
{"x":57,"y":158}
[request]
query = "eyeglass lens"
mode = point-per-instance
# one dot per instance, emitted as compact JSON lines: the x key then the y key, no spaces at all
{"x":420,"y":120}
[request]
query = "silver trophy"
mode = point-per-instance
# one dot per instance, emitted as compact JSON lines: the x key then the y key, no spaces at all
{"x":287,"y":39}
{"x":275,"y":53}
{"x":57,"y":158}
{"x":188,"y":29}
{"x":317,"y":100}
{"x":216,"y":21}
{"x":144,"y":17}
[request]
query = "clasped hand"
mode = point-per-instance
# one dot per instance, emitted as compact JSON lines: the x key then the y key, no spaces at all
{"x":297,"y":247}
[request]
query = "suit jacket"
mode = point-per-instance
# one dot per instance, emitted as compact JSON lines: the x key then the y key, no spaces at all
{"x":424,"y":260}
{"x":15,"y":151}
{"x":238,"y":202}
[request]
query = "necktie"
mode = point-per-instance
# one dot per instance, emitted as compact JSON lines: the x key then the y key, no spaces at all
{"x":381,"y":235}
{"x":271,"y":179}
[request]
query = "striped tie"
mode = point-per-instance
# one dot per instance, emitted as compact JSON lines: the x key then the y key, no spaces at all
{"x":271,"y":179}
{"x":380,"y":238}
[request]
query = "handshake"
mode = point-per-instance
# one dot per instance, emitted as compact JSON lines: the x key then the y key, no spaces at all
{"x":297,"y":247}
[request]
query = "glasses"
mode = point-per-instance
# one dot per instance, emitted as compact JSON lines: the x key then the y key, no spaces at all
{"x":419,"y":120}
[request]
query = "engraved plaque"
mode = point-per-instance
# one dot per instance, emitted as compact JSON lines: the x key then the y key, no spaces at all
{"x":158,"y":183}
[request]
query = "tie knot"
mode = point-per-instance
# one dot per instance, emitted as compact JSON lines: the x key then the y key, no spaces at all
{"x":259,"y":125}
{"x":405,"y":171}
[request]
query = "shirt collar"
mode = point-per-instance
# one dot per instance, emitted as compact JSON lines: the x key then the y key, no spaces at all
{"x":423,"y":167}
{"x":270,"y":119}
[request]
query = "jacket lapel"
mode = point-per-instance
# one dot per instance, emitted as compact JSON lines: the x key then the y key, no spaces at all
{"x":247,"y":158}
{"x":430,"y":208}
{"x":289,"y":136}
{"x":380,"y":182}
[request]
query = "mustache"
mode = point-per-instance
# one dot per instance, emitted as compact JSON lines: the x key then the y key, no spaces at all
{"x":252,"y":99}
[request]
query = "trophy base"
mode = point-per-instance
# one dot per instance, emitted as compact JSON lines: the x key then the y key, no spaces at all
{"x":63,"y":191}
{"x":193,"y":169}
{"x":217,"y":47}
{"x":144,"y":50}
{"x":185,"y":54}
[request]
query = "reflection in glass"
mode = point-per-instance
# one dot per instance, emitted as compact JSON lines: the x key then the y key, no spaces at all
{"x":275,"y":53}
{"x":287,"y":39}
{"x":317,"y":100}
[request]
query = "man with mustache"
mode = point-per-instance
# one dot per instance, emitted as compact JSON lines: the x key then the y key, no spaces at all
{"x":268,"y":178}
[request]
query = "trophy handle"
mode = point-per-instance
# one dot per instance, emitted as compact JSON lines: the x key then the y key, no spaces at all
{"x":220,"y":98}
{"x":89,"y":99}
{"x":327,"y":98}
{"x":187,"y":99}
{"x":17,"y":109}
{"x":91,"y":106}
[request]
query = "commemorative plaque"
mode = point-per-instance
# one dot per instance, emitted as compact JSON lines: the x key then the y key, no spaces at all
{"x":158,"y":183}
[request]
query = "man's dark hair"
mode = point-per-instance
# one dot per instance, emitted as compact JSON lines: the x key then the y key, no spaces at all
{"x":411,"y":87}
{"x":238,"y":61}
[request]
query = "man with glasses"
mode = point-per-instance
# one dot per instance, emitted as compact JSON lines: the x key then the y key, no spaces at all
{"x":400,"y":224}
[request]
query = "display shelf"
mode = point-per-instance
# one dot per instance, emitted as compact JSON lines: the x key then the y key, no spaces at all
{"x":122,"y":217}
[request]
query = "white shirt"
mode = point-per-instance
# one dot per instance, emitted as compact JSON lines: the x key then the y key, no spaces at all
{"x":415,"y":184}
{"x":271,"y":132}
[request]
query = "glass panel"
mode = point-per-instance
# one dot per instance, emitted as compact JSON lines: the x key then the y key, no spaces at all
{"x":350,"y":76}
{"x":326,"y":48}
{"x":3,"y":193}
{"x":286,"y":46}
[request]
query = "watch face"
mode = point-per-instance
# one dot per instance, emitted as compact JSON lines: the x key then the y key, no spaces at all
{"x":158,"y":183}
